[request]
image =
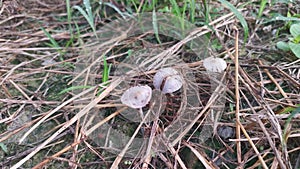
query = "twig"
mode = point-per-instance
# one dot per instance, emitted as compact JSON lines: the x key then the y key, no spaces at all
{"x":87,"y":133}
{"x":276,"y":84}
{"x":69,"y":123}
{"x":122,"y":153}
{"x":203,"y":160}
{"x":177,"y":157}
{"x":237,"y":98}
{"x":272,"y":144}
{"x":253,"y":146}
{"x":150,"y":143}
{"x":52,"y":112}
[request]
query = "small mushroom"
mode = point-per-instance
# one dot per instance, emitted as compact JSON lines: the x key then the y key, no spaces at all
{"x":167,"y":80}
{"x":137,"y":97}
{"x":215,"y":68}
{"x":213,"y":64}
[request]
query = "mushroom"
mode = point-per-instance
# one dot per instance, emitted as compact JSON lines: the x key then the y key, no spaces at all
{"x":213,"y":64}
{"x":167,"y":80}
{"x":215,"y":68}
{"x":137,"y":97}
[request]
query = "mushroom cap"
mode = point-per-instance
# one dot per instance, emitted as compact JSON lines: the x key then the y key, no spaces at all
{"x":137,"y":96}
{"x":213,"y":64}
{"x":167,"y":80}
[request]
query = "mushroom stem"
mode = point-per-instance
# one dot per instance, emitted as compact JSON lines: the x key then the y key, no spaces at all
{"x":141,"y":113}
{"x":215,"y":68}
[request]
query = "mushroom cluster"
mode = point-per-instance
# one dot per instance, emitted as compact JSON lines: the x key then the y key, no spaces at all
{"x":167,"y":80}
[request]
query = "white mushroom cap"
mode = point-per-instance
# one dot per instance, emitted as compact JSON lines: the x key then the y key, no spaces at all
{"x":137,"y":97}
{"x":167,"y":80}
{"x":213,"y":64}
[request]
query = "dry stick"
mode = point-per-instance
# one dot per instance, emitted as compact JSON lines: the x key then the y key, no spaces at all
{"x":289,"y":77}
{"x":282,"y":103}
{"x":186,"y":130}
{"x":77,"y":138}
{"x":40,"y":165}
{"x":265,"y":132}
{"x":194,"y":34}
{"x":20,"y":90}
{"x":177,"y":157}
{"x":34,"y":102}
{"x":261,"y":138}
{"x":14,"y":132}
{"x":13,"y":17}
{"x":69,"y":123}
{"x":53,"y":111}
{"x":272,"y":144}
{"x":275,"y":82}
{"x":151,"y":139}
{"x":253,"y":146}
{"x":87,"y":133}
{"x":23,"y":93}
{"x":16,"y":67}
{"x":238,"y":70}
{"x":203,"y":160}
{"x":237,"y":97}
{"x":24,"y":103}
{"x":165,"y":160}
{"x":122,"y":153}
{"x":114,"y":40}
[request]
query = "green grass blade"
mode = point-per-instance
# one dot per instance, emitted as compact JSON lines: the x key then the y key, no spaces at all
{"x":69,"y":12}
{"x":88,"y":8}
{"x":206,"y":8}
{"x":105,"y":72}
{"x":155,"y":26}
{"x":105,"y":75}
{"x":192,"y":10}
{"x":89,"y":19}
{"x":69,"y":15}
{"x":52,"y":40}
{"x":279,"y":17}
{"x":183,"y":15}
{"x":134,"y":4}
{"x":176,"y":7}
{"x":84,"y":14}
{"x":239,"y":16}
{"x":289,"y":109}
{"x":262,"y":7}
{"x":116,"y":9}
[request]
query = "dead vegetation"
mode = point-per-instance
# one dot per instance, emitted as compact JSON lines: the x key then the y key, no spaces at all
{"x":42,"y":127}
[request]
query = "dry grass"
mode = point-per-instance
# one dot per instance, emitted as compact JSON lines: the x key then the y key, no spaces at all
{"x":42,"y":128}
